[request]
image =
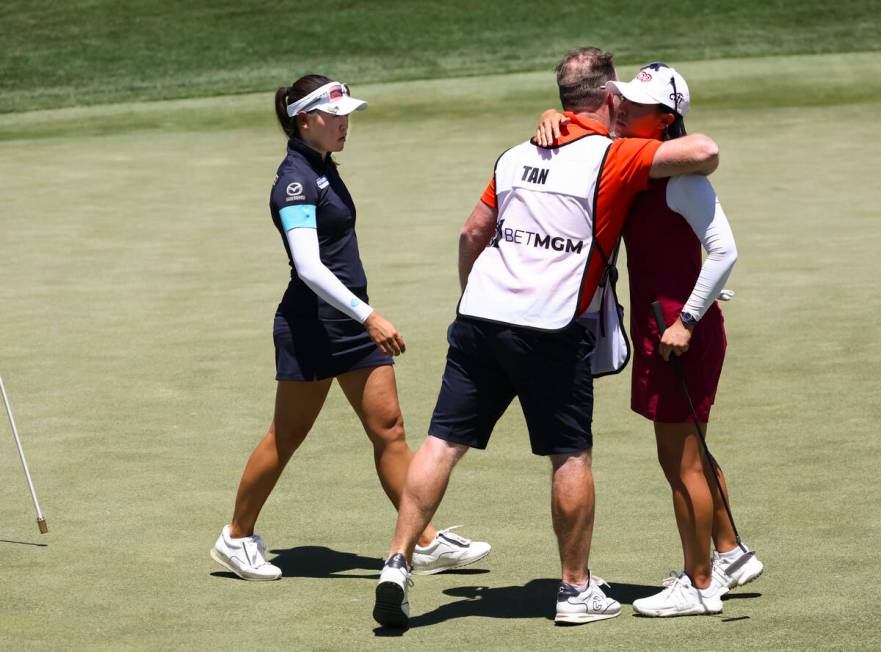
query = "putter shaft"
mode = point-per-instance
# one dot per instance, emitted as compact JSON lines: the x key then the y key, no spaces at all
{"x":41,"y":520}
{"x":680,"y":376}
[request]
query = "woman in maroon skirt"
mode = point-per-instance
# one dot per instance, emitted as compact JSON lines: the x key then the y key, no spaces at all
{"x":667,"y":225}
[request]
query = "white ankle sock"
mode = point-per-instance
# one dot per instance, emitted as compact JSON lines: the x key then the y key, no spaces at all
{"x":710,"y":591}
{"x":732,"y":554}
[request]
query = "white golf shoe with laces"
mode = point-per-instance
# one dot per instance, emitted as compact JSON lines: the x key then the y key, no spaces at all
{"x":392,"y":606}
{"x":737,"y":570}
{"x":680,"y":598}
{"x":576,"y":606}
{"x":447,"y":551}
{"x":245,"y":557}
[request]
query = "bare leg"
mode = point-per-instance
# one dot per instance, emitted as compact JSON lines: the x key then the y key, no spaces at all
{"x":681,"y":456}
{"x":723,"y":533}
{"x":374,"y":396}
{"x":572,"y":509}
{"x":426,"y":484}
{"x":297,"y":405}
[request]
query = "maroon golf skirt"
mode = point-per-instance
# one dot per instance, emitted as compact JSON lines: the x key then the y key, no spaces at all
{"x":655,"y":391}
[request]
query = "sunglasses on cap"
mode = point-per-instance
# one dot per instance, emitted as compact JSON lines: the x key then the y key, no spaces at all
{"x":338,"y":91}
{"x":330,"y":92}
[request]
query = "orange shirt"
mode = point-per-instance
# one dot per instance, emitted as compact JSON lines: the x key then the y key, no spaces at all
{"x":625,"y":172}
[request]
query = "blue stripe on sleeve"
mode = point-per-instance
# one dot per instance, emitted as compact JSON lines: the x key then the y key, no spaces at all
{"x":301,"y":216}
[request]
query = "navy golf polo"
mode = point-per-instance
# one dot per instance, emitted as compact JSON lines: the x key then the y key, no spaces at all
{"x":306,"y":179}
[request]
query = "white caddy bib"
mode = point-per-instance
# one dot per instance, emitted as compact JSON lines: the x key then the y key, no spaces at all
{"x":531,"y":273}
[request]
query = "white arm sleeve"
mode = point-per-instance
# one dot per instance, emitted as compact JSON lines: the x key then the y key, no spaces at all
{"x":304,"y":251}
{"x":693,"y":197}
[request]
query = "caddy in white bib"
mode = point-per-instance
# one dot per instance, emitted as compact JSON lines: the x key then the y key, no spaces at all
{"x":532,"y":273}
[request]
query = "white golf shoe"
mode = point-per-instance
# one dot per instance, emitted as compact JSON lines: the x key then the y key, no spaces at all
{"x":447,"y":551}
{"x":680,"y":598}
{"x":392,"y":606}
{"x":738,"y":571}
{"x":245,"y":557}
{"x":575,"y":606}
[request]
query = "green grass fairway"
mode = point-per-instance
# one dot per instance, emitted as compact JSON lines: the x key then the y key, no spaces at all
{"x":96,"y":51}
{"x":138,"y":279}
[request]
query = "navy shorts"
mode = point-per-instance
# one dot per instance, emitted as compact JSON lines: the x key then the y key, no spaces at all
{"x":489,"y":364}
{"x":310,"y":349}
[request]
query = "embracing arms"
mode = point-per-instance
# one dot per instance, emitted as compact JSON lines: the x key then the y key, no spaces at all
{"x":694,"y":154}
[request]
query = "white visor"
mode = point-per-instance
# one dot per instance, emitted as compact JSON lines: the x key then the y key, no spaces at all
{"x":331,"y":98}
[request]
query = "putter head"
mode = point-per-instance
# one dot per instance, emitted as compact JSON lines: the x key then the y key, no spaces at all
{"x":736,"y":566}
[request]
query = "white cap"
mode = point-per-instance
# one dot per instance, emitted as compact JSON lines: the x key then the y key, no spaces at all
{"x":656,"y":83}
{"x":331,"y":98}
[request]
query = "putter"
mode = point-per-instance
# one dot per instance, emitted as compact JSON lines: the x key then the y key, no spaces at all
{"x":41,"y":520}
{"x":680,"y":376}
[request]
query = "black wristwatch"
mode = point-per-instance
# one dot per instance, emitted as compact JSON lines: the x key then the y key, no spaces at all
{"x":688,"y":320}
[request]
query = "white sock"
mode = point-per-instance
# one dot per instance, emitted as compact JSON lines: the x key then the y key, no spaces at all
{"x":732,"y":554}
{"x":583,"y":587}
{"x":710,"y":591}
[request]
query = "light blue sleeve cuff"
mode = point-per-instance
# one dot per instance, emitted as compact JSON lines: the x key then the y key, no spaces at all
{"x":301,"y":216}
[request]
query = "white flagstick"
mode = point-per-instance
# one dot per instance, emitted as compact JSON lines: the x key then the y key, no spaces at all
{"x":41,"y":521}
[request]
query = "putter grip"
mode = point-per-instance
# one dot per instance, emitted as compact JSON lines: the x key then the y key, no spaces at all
{"x":674,"y":359}
{"x":659,"y":316}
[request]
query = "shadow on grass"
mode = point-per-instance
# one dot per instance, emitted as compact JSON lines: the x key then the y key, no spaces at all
{"x":535,"y":599}
{"x":319,"y":561}
{"x":627,"y":593}
{"x":740,"y":596}
{"x":532,"y":600}
{"x":25,"y":543}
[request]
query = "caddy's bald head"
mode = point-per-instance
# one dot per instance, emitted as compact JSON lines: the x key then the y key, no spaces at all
{"x":581,"y":77}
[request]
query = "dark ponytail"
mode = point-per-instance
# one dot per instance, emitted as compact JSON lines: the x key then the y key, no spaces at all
{"x":287,"y":96}
{"x":675,"y":129}
{"x":288,"y":125}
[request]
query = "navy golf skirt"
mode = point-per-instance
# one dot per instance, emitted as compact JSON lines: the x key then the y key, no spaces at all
{"x":312,"y":349}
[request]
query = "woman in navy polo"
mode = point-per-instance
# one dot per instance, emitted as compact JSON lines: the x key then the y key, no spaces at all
{"x":324,"y":329}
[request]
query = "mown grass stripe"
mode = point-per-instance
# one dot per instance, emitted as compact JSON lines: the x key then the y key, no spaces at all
{"x":91,"y":52}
